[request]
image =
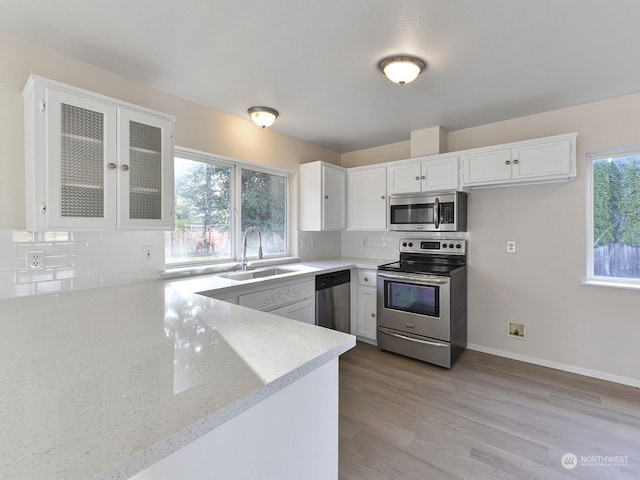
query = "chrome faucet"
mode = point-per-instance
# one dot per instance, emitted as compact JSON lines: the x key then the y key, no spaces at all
{"x":243,"y":265}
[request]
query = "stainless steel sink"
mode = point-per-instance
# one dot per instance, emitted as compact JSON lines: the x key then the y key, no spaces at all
{"x":244,"y":275}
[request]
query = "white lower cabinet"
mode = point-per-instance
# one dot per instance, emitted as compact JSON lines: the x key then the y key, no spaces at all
{"x":295,"y":301}
{"x":366,"y":308}
{"x":304,"y":311}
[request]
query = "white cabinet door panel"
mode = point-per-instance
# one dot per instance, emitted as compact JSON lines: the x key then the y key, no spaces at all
{"x":304,"y":311}
{"x":550,"y":159}
{"x":487,"y":167}
{"x":440,"y":175}
{"x":405,"y":178}
{"x":367,"y":199}
{"x":367,"y":322}
{"x":335,"y":197}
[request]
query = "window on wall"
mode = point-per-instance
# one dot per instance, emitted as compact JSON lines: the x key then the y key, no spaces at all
{"x":216,"y":200}
{"x":614,"y":216}
{"x":264,"y":205}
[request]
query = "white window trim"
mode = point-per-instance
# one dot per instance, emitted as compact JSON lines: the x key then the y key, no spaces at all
{"x":591,"y":279}
{"x":211,"y":266}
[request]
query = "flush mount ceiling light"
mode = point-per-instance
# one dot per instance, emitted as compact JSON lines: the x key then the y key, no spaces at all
{"x":263,"y":116}
{"x":402,"y":69}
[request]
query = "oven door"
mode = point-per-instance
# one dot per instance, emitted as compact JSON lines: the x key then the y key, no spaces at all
{"x":415,"y":303}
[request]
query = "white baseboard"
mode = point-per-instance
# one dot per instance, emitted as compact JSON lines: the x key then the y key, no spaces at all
{"x":632,"y":382}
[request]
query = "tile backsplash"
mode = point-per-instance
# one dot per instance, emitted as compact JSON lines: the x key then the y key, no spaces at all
{"x":383,"y":245}
{"x":77,"y":260}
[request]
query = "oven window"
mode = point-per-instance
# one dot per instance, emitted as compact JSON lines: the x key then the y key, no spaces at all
{"x":408,"y":214}
{"x":407,"y":297}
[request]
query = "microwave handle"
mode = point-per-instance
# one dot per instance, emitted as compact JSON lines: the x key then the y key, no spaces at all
{"x":436,"y":213}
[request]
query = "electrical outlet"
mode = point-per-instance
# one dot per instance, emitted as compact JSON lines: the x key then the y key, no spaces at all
{"x":516,"y":330}
{"x":511,"y":246}
{"x":35,"y":260}
{"x":147,"y":254}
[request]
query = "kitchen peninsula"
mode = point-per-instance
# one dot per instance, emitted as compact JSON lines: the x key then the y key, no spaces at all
{"x":105,"y":383}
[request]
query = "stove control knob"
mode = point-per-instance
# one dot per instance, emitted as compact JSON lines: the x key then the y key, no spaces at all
{"x":458,"y":245}
{"x":451,"y":245}
{"x":444,"y":245}
{"x":404,"y":244}
{"x":411,"y":244}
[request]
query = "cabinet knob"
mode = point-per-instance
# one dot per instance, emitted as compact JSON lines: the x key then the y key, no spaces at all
{"x":111,"y":166}
{"x":326,"y":197}
{"x":382,"y":197}
{"x":124,"y":167}
{"x":515,"y":162}
{"x":417,"y":178}
{"x":423,"y":177}
{"x":373,"y":314}
{"x":366,"y":279}
{"x":507,"y":162}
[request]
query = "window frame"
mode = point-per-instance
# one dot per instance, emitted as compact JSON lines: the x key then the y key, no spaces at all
{"x":591,"y":278}
{"x":236,"y":208}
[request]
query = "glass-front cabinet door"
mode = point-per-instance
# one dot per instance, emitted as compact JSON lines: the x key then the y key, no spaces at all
{"x":103,"y":165}
{"x":144,"y":179}
{"x":80,"y":169}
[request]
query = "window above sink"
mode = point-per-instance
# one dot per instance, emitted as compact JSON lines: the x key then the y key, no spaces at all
{"x":216,"y":201}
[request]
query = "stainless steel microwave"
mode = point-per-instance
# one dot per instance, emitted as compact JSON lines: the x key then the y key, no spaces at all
{"x":428,"y":212}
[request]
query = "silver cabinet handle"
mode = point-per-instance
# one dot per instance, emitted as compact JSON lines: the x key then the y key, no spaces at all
{"x":515,"y":162}
{"x":507,"y":162}
{"x":111,"y":166}
{"x":436,"y":213}
{"x":124,"y":167}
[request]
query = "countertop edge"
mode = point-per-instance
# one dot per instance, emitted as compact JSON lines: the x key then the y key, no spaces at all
{"x":153,"y":454}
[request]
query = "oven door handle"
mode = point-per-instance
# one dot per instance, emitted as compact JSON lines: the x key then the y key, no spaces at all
{"x":419,"y":279}
{"x":411,"y":339}
{"x":436,"y":213}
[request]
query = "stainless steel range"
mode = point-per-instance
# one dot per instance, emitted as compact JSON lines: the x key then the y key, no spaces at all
{"x":422,"y":301}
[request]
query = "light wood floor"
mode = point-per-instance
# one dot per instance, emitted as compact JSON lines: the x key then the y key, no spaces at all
{"x":486,"y":418}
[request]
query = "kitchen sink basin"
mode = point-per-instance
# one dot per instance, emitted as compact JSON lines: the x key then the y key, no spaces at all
{"x":245,"y":275}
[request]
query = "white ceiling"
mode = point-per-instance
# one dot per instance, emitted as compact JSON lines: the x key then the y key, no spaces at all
{"x":316,"y":61}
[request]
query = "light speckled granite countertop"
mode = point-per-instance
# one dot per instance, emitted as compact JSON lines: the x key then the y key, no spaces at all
{"x":102,"y":383}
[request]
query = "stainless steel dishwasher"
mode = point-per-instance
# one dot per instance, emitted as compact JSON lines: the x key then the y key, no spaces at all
{"x":333,"y":305}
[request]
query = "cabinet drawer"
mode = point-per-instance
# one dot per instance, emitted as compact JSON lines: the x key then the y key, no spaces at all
{"x":273,"y":298}
{"x":367,"y":277}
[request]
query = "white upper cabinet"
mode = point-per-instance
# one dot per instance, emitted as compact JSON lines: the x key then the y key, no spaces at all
{"x":440,"y":174}
{"x":323,"y":197}
{"x":367,"y":198}
{"x":146,"y":179}
{"x":427,"y":174}
{"x":95,"y":163}
{"x":543,"y":160}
